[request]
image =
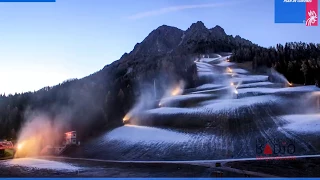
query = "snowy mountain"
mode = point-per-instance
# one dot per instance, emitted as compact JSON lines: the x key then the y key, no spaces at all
{"x":101,"y":99}
{"x":171,"y":40}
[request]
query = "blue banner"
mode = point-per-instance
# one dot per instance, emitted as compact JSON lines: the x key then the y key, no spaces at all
{"x":290,"y":11}
{"x":156,"y":178}
{"x":27,"y":0}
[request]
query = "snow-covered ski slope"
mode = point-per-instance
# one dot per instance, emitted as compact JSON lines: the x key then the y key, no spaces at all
{"x":222,"y":118}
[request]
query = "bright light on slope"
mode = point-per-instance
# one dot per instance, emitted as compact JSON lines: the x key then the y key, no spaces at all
{"x":229,"y":70}
{"x":20,"y":146}
{"x":176,"y":91}
{"x":126,"y":118}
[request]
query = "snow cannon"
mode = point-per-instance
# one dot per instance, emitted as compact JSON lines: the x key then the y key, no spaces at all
{"x":288,"y":84}
{"x":235,"y":93}
{"x":127,"y":118}
{"x":7,"y":150}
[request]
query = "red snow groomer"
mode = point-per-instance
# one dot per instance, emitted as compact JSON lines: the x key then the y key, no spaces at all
{"x":6,"y":149}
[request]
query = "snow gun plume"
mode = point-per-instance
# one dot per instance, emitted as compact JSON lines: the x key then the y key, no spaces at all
{"x":38,"y":131}
{"x":274,"y":76}
{"x":144,"y":102}
{"x":178,"y":89}
{"x":175,"y":90}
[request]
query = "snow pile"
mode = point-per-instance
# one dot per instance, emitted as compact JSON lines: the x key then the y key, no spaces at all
{"x":185,"y":97}
{"x":172,"y":111}
{"x":240,"y":71}
{"x":207,"y":86}
{"x":206,"y":74}
{"x":215,"y":106}
{"x":146,"y":135}
{"x":255,"y":84}
{"x":309,"y":123}
{"x":229,"y":104}
{"x":203,"y":65}
{"x":276,"y":90}
{"x":258,"y":90}
{"x":252,"y":78}
{"x":225,"y":64}
{"x":301,"y":89}
{"x":207,"y":60}
{"x":40,"y":164}
{"x":204,"y":70}
{"x":211,"y":90}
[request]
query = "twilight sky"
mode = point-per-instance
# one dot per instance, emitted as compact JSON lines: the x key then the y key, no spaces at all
{"x":43,"y":44}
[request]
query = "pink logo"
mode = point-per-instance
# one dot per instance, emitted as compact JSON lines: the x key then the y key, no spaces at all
{"x":312,"y":13}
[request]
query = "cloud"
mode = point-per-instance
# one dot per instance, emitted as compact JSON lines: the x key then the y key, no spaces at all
{"x":175,"y":9}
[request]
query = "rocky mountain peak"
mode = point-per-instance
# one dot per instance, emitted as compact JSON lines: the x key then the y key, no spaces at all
{"x":161,"y":40}
{"x":165,"y":28}
{"x":199,"y":25}
{"x":197,"y":31}
{"x":167,"y":39}
{"x":218,"y":31}
{"x":237,"y":37}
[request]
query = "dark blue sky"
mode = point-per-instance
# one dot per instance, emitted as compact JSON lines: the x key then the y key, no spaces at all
{"x":43,"y":44}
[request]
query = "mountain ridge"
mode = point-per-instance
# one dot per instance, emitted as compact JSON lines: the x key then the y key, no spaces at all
{"x":167,"y":39}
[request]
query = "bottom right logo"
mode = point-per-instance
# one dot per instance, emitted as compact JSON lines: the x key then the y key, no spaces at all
{"x":275,"y":149}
